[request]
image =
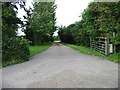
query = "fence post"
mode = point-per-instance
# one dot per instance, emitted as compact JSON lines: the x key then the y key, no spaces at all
{"x":114,"y":47}
{"x":90,"y":43}
{"x":107,"y":42}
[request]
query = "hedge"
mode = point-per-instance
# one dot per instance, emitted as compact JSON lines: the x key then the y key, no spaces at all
{"x":14,"y":50}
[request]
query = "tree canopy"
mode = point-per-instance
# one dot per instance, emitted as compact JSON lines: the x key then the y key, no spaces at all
{"x":42,"y":23}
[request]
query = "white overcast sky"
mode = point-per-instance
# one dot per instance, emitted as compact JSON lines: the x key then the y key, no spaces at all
{"x":67,"y":12}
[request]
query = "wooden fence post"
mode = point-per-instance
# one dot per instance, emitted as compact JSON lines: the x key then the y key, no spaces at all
{"x":114,"y":47}
{"x":107,"y":40}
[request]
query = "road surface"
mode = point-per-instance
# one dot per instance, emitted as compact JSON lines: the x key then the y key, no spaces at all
{"x":62,"y":67}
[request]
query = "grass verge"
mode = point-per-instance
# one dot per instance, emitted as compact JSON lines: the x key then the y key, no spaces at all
{"x":85,"y":50}
{"x":37,"y":49}
{"x":114,"y":57}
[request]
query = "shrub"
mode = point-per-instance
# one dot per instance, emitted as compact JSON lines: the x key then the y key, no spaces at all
{"x":14,"y":50}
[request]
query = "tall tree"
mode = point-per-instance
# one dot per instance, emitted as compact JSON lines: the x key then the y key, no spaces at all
{"x":42,"y":23}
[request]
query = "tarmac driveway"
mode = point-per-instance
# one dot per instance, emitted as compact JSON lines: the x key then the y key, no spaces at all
{"x":62,"y":67}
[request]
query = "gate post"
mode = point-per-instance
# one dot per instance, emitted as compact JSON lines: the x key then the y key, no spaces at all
{"x":90,"y":43}
{"x":107,"y":46}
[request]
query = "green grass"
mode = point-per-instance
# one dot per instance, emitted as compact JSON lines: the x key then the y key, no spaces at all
{"x":85,"y":50}
{"x":38,"y":49}
{"x":114,"y":57}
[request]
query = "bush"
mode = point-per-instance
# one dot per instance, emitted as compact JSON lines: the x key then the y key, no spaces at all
{"x":14,"y":50}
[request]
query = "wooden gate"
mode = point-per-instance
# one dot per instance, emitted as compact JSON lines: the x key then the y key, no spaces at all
{"x":101,"y":45}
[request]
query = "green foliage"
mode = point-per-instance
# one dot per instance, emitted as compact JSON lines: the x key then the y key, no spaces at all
{"x":97,"y":20}
{"x":65,"y":35}
{"x":56,"y":38}
{"x":42,"y":23}
{"x":9,"y":21}
{"x":16,"y":50}
{"x":74,"y":34}
{"x":115,"y":57}
{"x":101,"y":18}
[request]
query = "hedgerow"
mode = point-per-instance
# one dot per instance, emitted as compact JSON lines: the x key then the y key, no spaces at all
{"x":15,"y":50}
